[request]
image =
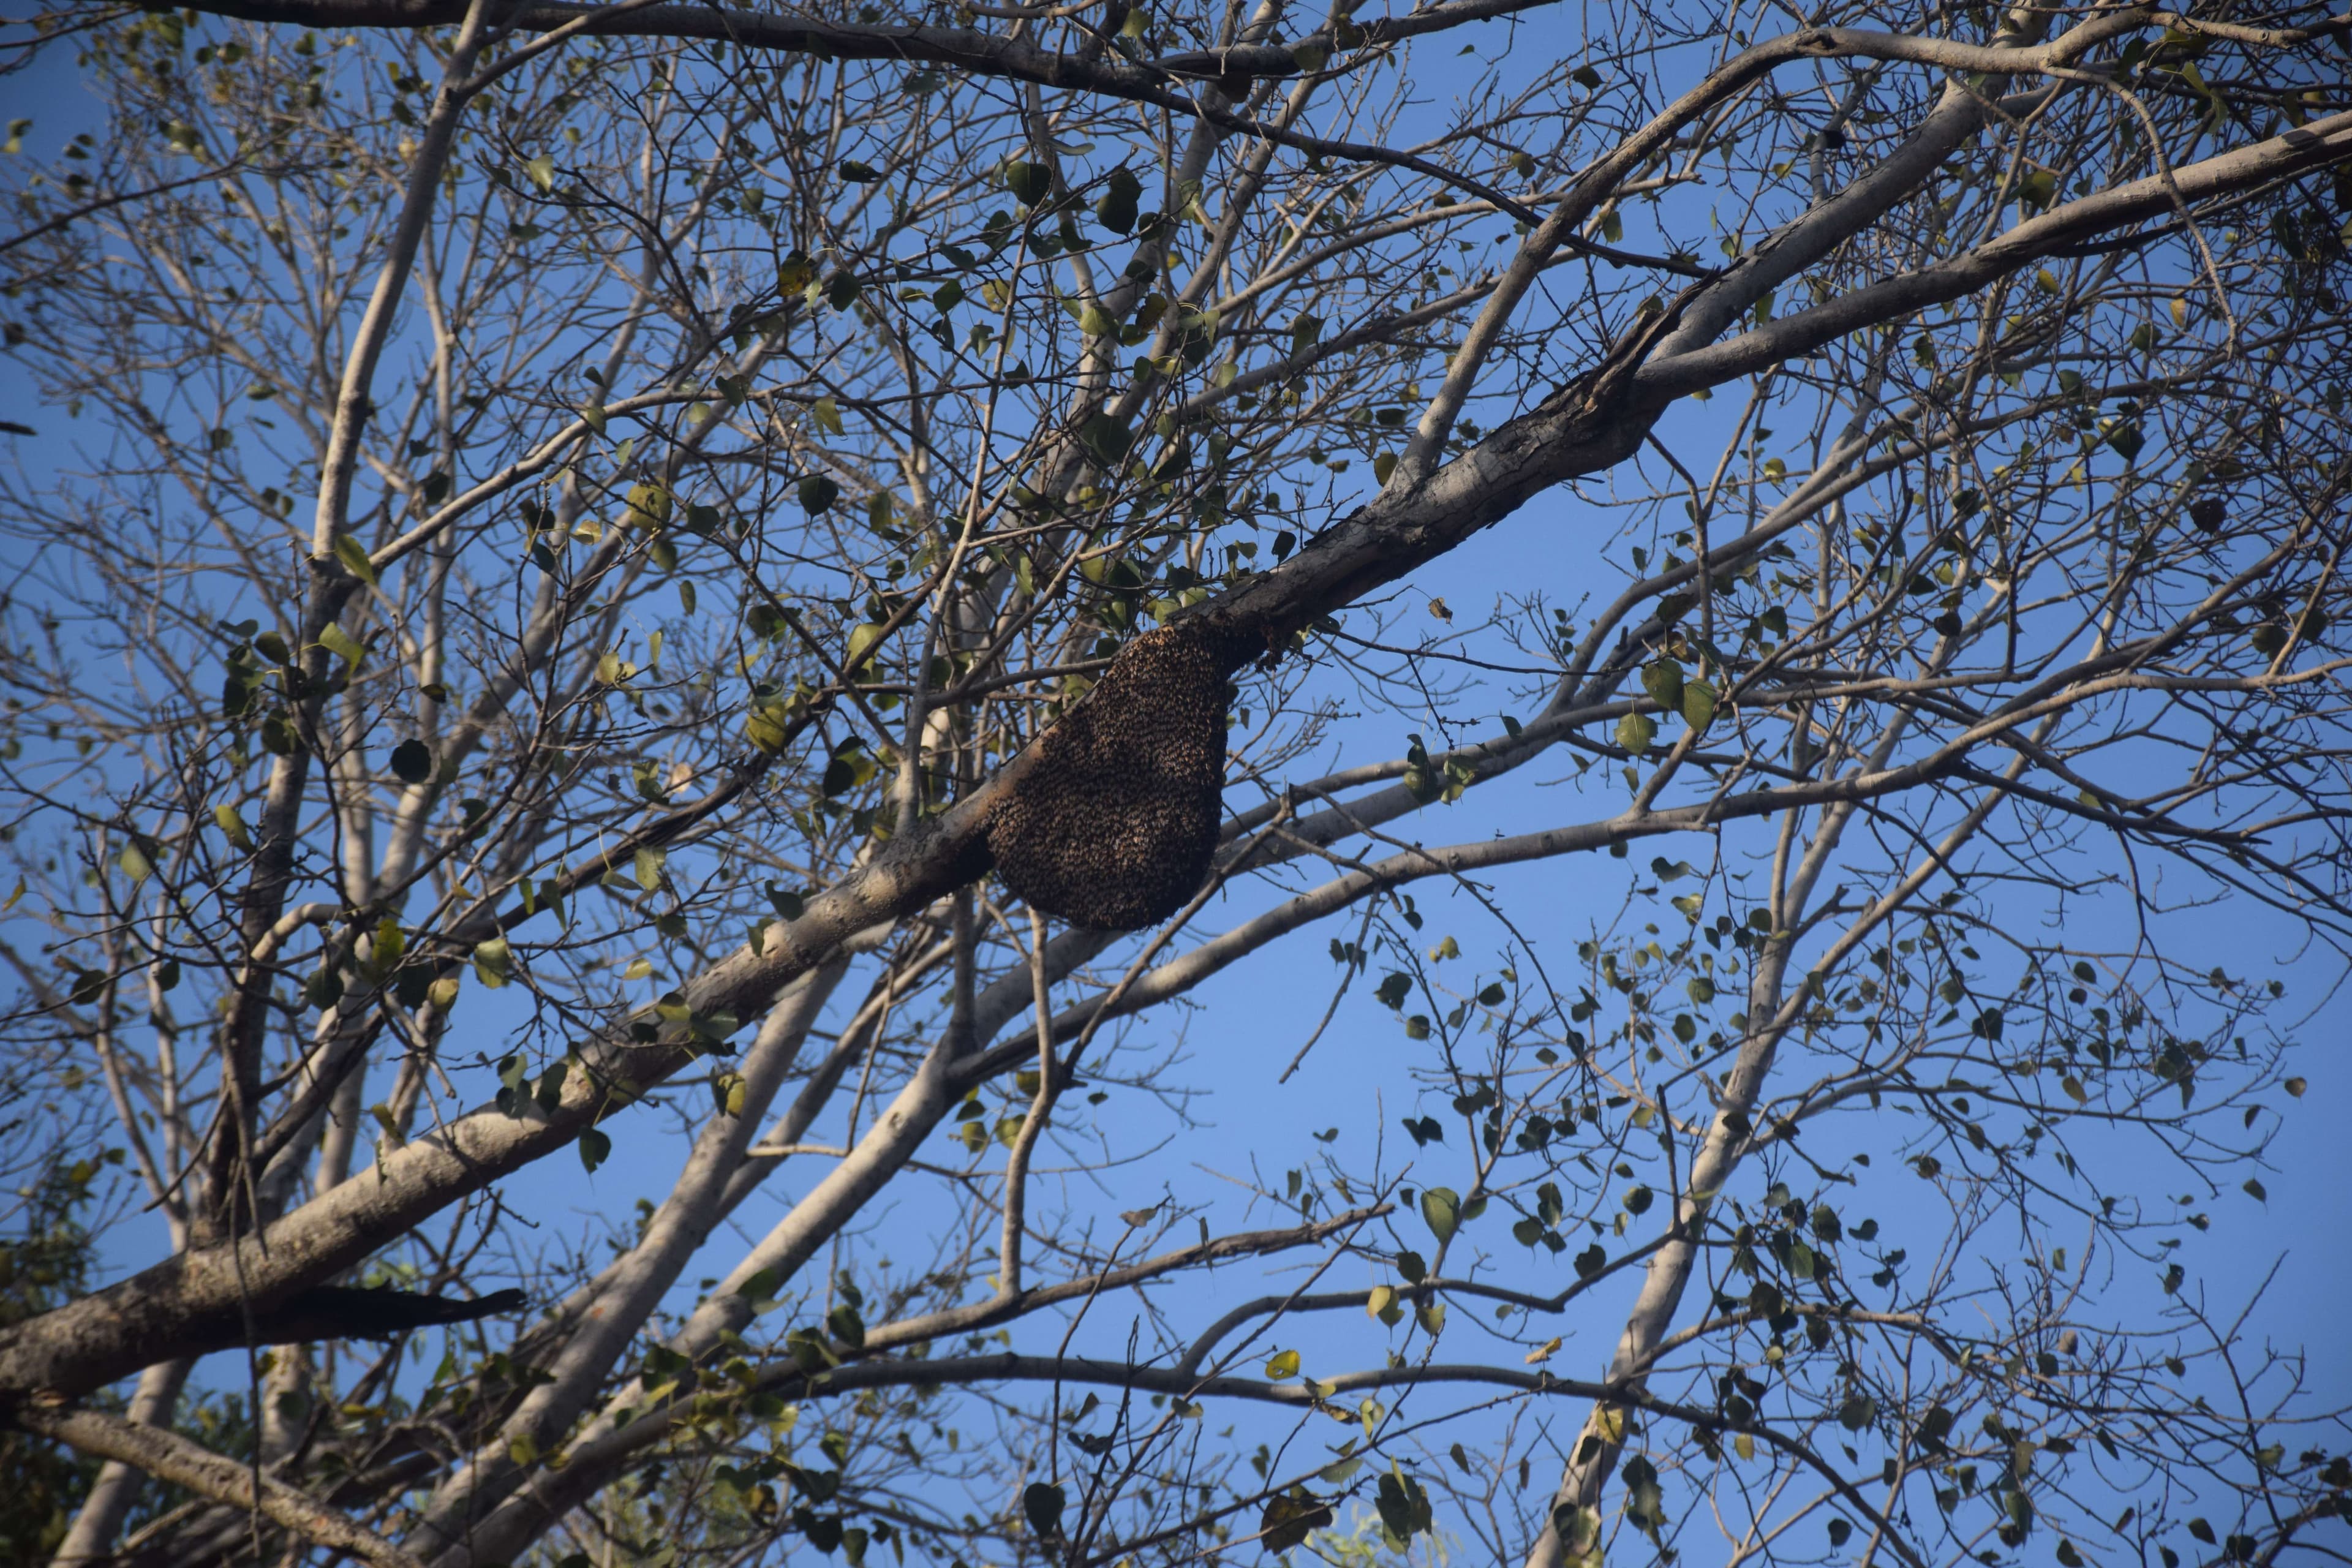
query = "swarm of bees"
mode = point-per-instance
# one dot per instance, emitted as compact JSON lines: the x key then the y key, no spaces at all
{"x":1114,"y":828}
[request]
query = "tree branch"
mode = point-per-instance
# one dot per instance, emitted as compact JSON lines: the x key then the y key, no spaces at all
{"x":170,"y":1457}
{"x":2291,"y":153}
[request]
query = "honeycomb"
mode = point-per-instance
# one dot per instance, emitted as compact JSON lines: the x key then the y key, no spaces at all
{"x":1114,"y":825}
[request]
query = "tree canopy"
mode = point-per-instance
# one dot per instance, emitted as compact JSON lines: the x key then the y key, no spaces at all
{"x":690,"y":692}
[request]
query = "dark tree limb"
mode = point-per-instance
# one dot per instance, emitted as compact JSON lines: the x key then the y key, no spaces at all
{"x":346,"y":1312}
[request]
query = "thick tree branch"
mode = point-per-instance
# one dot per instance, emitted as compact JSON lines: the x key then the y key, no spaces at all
{"x":168,"y":1457}
{"x":2232,"y":174}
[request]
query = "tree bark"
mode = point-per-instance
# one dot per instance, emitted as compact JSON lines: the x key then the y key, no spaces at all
{"x":92,"y":1535}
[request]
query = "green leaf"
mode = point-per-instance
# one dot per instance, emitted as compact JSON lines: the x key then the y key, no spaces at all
{"x":862,"y":640}
{"x":1043,"y":1501}
{"x":1646,"y":1500}
{"x":1442,"y":1207}
{"x":491,"y":960}
{"x":412,"y":761}
{"x":1107,"y":437}
{"x":827,"y":414}
{"x":354,"y":557}
{"x":1402,"y":1505}
{"x":1635,"y":731}
{"x":541,"y":171}
{"x":1663,"y":682}
{"x":650,"y":507}
{"x":846,"y":1325}
{"x":549,"y":1093}
{"x":2254,"y":1189}
{"x":337,"y":641}
{"x":1029,"y":182}
{"x":817,"y":493}
{"x":592,"y":415}
{"x":647,"y":867}
{"x":1116,"y":210}
{"x":1290,"y":1516}
{"x":759,"y":1289}
{"x":1698,"y":704}
{"x":225,"y":818}
{"x":389,"y":941}
{"x":595,"y":1147}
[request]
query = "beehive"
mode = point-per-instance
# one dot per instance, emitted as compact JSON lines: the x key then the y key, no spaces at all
{"x":1114,"y":825}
